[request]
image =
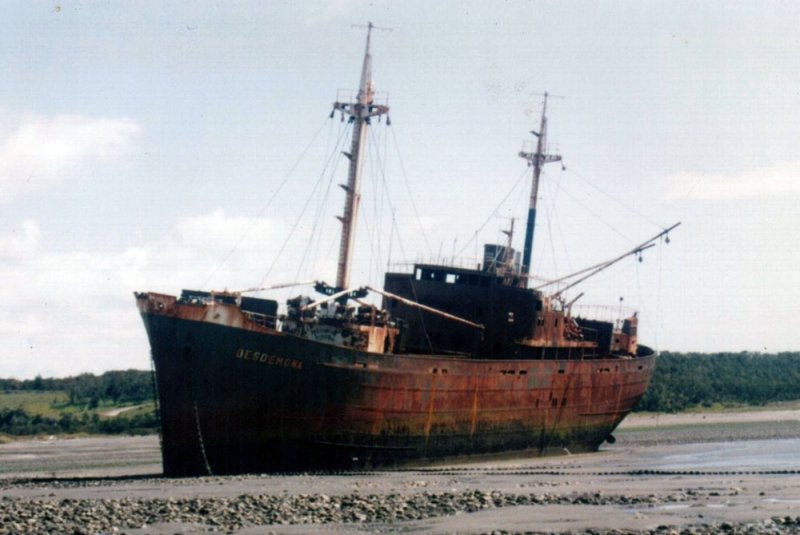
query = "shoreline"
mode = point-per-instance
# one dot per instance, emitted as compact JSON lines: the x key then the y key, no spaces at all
{"x":771,"y":413}
{"x":699,"y":473}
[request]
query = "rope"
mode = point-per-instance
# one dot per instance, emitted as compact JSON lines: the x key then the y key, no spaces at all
{"x":155,"y":399}
{"x":200,"y":437}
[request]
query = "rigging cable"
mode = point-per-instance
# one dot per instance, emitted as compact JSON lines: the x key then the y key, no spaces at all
{"x":374,"y":224}
{"x":411,"y":196}
{"x":629,"y":208}
{"x":597,"y":216}
{"x":494,"y":212}
{"x":659,"y":318}
{"x":386,"y":200}
{"x":294,"y":226}
{"x":400,"y":239}
{"x":264,"y":207}
{"x":321,"y":208}
{"x":321,"y":214}
{"x":551,"y":213}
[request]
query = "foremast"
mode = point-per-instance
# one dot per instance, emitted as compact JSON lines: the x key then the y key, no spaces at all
{"x":536,"y":160}
{"x":359,"y":113}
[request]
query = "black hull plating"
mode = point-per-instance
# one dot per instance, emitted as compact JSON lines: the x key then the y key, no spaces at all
{"x":235,"y":400}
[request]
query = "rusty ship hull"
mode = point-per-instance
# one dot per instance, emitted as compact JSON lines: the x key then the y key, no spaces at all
{"x":455,"y":362}
{"x":236,"y":396}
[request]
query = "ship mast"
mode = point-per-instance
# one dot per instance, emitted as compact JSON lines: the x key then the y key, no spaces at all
{"x":360,"y":113}
{"x":536,"y":160}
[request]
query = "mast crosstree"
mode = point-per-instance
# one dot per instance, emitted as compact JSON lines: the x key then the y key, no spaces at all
{"x":360,"y":112}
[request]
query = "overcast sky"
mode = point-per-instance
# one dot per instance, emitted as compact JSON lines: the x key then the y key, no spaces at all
{"x":166,"y":145}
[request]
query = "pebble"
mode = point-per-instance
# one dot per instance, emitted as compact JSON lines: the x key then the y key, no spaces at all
{"x":88,"y":516}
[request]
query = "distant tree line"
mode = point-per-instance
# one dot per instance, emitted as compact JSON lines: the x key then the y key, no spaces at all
{"x":128,"y":386}
{"x":681,"y":381}
{"x":686,"y":380}
{"x":86,"y":392}
{"x":19,"y":422}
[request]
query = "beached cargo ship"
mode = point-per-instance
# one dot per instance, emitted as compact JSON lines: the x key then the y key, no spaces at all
{"x":455,"y":362}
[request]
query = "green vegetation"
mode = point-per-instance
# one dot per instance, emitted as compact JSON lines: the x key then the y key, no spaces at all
{"x":131,"y":386}
{"x":83,"y":404}
{"x":687,"y":380}
{"x":89,"y":403}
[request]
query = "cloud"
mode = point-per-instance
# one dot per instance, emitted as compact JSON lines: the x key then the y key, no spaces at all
{"x":43,"y":151}
{"x":69,"y":312}
{"x":779,"y":179}
{"x":20,"y":242}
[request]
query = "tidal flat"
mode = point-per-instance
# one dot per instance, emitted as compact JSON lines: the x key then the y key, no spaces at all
{"x":738,"y":472}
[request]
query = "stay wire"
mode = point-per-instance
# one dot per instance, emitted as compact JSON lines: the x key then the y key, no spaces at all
{"x":619,"y":202}
{"x":597,"y":216}
{"x":344,"y":134}
{"x":493,"y":214}
{"x":265,"y":206}
{"x":363,"y":218}
{"x":294,"y":227}
{"x":378,"y":204}
{"x":410,"y":195}
{"x":316,"y":236}
{"x":560,"y":227}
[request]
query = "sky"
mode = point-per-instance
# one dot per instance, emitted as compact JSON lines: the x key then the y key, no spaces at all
{"x":155,"y":146}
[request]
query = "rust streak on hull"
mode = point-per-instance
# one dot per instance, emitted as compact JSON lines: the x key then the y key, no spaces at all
{"x":323,"y":406}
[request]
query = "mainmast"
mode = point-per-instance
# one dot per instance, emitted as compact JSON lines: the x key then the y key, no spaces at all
{"x":536,"y":160}
{"x":360,"y":113}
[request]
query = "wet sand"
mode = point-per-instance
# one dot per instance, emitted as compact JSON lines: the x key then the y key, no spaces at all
{"x":683,"y":472}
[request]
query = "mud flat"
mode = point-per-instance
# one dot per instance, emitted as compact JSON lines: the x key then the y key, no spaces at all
{"x":682,"y":474}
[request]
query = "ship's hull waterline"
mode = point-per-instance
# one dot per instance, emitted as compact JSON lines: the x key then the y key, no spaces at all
{"x":238,"y":397}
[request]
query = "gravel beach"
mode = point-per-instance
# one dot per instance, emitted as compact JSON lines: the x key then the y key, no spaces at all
{"x":729,"y":472}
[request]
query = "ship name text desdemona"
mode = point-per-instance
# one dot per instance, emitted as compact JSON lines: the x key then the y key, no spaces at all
{"x":266,"y":358}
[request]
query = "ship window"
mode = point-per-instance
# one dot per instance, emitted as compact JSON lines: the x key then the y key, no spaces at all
{"x":523,"y":372}
{"x":418,"y":274}
{"x":450,"y":278}
{"x":563,"y":401}
{"x":560,"y":371}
